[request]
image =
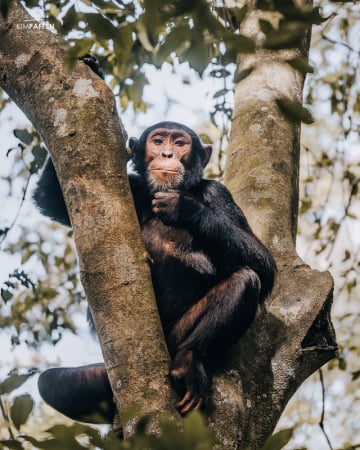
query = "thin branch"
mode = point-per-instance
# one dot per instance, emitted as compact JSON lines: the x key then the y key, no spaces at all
{"x":334,"y":42}
{"x":4,"y":235}
{"x":24,"y":191}
{"x":322,"y":419}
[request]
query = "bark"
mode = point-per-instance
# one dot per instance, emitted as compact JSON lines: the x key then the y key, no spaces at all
{"x":292,"y":335}
{"x":91,"y":165}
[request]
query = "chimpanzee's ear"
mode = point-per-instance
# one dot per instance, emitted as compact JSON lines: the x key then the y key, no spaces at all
{"x":131,"y":146}
{"x":207,"y":150}
{"x":132,"y":143}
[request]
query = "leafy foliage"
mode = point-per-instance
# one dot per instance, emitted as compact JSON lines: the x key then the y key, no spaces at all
{"x":192,"y":435}
{"x":36,"y":307}
{"x":328,"y":220}
{"x":128,"y":35}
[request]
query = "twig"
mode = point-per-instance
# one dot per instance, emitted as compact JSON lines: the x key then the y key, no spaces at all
{"x":322,"y":419}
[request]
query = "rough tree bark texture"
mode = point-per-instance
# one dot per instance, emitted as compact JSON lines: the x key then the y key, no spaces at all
{"x":292,"y":335}
{"x":76,"y":116}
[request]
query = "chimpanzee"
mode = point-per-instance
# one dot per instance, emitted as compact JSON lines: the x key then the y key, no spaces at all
{"x":209,"y":270}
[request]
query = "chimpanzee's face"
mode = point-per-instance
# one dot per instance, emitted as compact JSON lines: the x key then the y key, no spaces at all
{"x":166,"y":152}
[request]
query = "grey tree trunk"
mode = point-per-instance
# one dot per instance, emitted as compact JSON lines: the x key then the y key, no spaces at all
{"x":292,"y":335}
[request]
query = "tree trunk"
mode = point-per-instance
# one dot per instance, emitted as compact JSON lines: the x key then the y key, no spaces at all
{"x":292,"y":335}
{"x":91,"y":166}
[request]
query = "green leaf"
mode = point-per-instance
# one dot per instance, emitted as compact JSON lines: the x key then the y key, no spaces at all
{"x":14,"y":445}
{"x":266,"y":26}
{"x":301,"y":64}
{"x":100,"y":26}
{"x":27,"y":254}
{"x":220,"y":93}
{"x":25,"y":136}
{"x":291,"y":11}
{"x":196,"y":433}
{"x":240,"y":43}
{"x":239,"y":76}
{"x":80,"y":49}
{"x":197,"y":56}
{"x":342,"y":364}
{"x":54,"y":444}
{"x":103,"y":4}
{"x":278,"y":440}
{"x":294,"y":110}
{"x":123,"y":44}
{"x":6,"y":295}
{"x":21,"y":409}
{"x":40,"y":155}
{"x":14,"y":381}
{"x":63,"y":437}
{"x":288,"y":35}
{"x":305,"y":205}
{"x":71,"y":20}
{"x":130,"y":413}
{"x":173,"y":41}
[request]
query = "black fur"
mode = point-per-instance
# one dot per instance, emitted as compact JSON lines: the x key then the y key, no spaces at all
{"x":209,"y":273}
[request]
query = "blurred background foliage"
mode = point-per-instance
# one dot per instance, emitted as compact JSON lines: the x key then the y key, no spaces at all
{"x":195,"y":42}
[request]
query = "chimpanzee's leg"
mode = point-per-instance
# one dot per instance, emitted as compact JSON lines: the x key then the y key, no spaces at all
{"x":81,"y":393}
{"x":214,"y":323}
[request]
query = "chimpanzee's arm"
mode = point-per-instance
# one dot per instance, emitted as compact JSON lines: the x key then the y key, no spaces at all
{"x":48,"y":195}
{"x":213,"y":217}
{"x":219,"y":226}
{"x":222,"y":224}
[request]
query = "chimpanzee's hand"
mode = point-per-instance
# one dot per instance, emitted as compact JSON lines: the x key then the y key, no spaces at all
{"x":166,"y":205}
{"x":174,"y":207}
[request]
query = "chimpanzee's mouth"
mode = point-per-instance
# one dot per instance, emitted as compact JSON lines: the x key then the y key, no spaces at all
{"x":165,"y":170}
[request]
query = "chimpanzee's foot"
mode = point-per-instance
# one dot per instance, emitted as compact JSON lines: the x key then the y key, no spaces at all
{"x":190,"y":380}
